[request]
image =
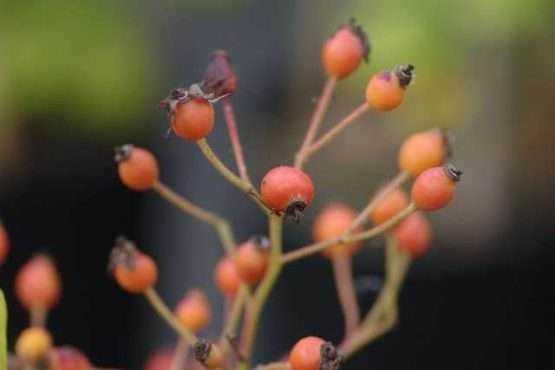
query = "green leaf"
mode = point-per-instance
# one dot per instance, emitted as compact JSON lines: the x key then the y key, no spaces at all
{"x":3,"y":338}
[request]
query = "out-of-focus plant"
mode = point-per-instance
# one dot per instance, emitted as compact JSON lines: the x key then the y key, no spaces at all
{"x":249,"y":270}
{"x":76,"y":64}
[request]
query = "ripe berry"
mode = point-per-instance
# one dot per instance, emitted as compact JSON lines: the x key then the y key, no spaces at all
{"x":134,"y":271}
{"x":137,"y":167}
{"x":386,"y":90}
{"x":313,"y":353}
{"x":227,"y":277}
{"x":4,"y":244}
{"x":194,"y":310}
{"x":208,"y":354}
{"x":68,"y":358}
{"x":435,"y":187}
{"x":32,"y":344}
{"x":287,"y":189}
{"x":414,"y":234}
{"x":423,"y":150}
{"x":37,"y":284}
{"x":160,"y":360}
{"x":219,"y":79}
{"x":391,"y":204}
{"x":330,"y":223}
{"x":344,"y":51}
{"x":252,"y":259}
{"x":193,"y":119}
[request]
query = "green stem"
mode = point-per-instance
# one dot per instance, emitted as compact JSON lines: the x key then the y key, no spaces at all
{"x":165,"y":313}
{"x":382,"y":317}
{"x":365,"y":235}
{"x":234,"y":317}
{"x":254,"y":309}
{"x":230,"y":176}
{"x":396,"y":182}
{"x":220,"y":225}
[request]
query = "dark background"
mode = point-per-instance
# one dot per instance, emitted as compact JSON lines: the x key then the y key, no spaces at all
{"x":78,"y":78}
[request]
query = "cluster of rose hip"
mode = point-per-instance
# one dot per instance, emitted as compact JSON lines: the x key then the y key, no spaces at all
{"x":247,"y":272}
{"x":38,"y":289}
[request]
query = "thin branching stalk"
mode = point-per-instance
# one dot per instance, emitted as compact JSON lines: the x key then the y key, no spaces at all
{"x":344,"y":284}
{"x":220,"y":225}
{"x":230,"y":176}
{"x":383,"y":315}
{"x":337,"y":129}
{"x":233,"y":318}
{"x":255,"y":306}
{"x":316,"y":121}
{"x":315,"y":248}
{"x":396,"y":182}
{"x":229,"y":115}
{"x":164,"y":312}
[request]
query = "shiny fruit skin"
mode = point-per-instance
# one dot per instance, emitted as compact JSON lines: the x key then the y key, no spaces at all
{"x":32,"y":344}
{"x":414,"y":234}
{"x":306,"y":354}
{"x":194,"y":311}
{"x":282,"y":186}
{"x":68,"y":358}
{"x":251,"y":262}
{"x":37,"y":284}
{"x":331,"y":223}
{"x":193,"y":119}
{"x":391,"y":204}
{"x":383,"y":92}
{"x":433,"y":189}
{"x":342,"y":53}
{"x":139,"y":277}
{"x":227,"y":277}
{"x":138,"y":169}
{"x":423,"y":150}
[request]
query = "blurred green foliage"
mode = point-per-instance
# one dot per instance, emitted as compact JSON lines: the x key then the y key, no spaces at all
{"x":439,"y":37}
{"x":79,"y":59}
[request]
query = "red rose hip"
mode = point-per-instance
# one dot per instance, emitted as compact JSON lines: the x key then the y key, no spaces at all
{"x":391,"y":204}
{"x":194,"y":310}
{"x":386,"y":90}
{"x":137,"y":167}
{"x":424,"y":150}
{"x":134,"y":271}
{"x":193,"y":119}
{"x":37,"y":284}
{"x":227,"y":277}
{"x":344,"y":51}
{"x":252,"y":259}
{"x":287,"y":189}
{"x":434,"y":188}
{"x":414,"y":234}
{"x":313,"y":353}
{"x":331,"y":223}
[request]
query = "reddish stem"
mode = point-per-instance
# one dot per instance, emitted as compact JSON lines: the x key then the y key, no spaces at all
{"x":235,"y":141}
{"x":316,"y":121}
{"x":344,"y":284}
{"x":338,"y":128}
